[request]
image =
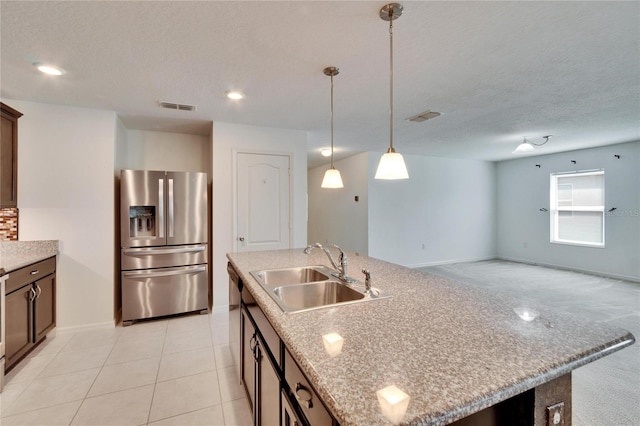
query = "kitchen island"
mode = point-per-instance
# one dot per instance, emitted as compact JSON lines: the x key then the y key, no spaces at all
{"x":455,"y":350}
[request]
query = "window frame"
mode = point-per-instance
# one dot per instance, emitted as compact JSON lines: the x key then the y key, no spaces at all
{"x":556,"y":209}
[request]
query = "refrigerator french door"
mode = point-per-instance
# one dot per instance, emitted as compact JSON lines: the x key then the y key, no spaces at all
{"x":163,"y":218}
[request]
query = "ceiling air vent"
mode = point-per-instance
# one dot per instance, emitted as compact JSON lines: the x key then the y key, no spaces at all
{"x":180,"y":107}
{"x":424,"y":116}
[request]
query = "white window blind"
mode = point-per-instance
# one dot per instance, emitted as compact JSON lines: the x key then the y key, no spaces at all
{"x":577,"y":208}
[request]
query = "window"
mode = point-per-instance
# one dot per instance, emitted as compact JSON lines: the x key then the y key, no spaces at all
{"x":577,"y":208}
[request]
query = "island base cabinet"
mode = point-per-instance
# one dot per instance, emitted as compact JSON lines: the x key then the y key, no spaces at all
{"x":546,"y":405}
{"x":553,"y":402}
{"x":289,"y":416}
{"x":267,"y":390}
{"x":259,"y":376}
{"x":247,"y":358}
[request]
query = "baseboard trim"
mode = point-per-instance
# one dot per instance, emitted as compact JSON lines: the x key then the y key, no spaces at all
{"x":219,"y":308}
{"x":572,"y":269}
{"x":93,"y":326}
{"x":450,"y":261}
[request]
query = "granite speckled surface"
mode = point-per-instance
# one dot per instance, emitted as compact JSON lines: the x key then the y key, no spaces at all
{"x":454,"y":349}
{"x":16,"y":254}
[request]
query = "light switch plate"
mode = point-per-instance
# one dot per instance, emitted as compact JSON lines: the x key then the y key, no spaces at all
{"x":555,"y":414}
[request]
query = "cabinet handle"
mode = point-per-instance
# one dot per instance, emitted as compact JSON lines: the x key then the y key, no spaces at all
{"x":31,"y":295}
{"x":253,"y":343}
{"x":39,"y":290}
{"x":303,"y":395}
{"x":34,"y":272}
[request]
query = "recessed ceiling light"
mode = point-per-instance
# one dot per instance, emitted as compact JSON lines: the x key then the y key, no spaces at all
{"x":235,"y":95}
{"x":326,"y":152}
{"x":49,"y":69}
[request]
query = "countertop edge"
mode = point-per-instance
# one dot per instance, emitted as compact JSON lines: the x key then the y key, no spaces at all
{"x":18,"y":254}
{"x":525,"y":385}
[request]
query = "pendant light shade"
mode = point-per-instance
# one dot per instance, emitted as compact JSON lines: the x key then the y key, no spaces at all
{"x":391,"y":166}
{"x":528,"y":146}
{"x":523,"y":147}
{"x":332,"y":178}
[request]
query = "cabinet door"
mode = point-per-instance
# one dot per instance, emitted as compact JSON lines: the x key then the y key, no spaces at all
{"x":268,"y":406}
{"x":45,"y":306}
{"x":289,"y":416}
{"x":9,"y":157}
{"x":248,"y":360}
{"x":18,"y":323}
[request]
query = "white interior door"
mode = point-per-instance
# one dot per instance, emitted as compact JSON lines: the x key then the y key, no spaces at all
{"x":263,"y":200}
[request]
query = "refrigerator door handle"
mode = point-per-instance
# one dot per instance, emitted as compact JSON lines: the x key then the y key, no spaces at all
{"x":154,"y":251}
{"x":143,"y":275}
{"x":170,"y":207}
{"x":161,"y":208}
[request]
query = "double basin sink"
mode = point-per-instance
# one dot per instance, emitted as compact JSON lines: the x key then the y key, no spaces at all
{"x":311,"y":287}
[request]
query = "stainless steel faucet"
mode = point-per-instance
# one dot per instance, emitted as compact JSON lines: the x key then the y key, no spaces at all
{"x":341,"y":268}
{"x":367,"y":280}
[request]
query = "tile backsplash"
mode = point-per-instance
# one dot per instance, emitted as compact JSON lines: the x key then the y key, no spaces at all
{"x":9,"y":224}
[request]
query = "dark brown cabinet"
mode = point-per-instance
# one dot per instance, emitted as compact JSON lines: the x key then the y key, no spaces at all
{"x":30,"y":308}
{"x":9,"y":157}
{"x":260,"y":375}
{"x":279,"y":394}
{"x":18,"y":325}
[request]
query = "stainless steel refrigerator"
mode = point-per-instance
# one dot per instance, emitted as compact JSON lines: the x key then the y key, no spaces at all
{"x":163,"y":218}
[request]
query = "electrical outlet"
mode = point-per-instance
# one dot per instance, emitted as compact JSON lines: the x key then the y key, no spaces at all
{"x":555,"y":414}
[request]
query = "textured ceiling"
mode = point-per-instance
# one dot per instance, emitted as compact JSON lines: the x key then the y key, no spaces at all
{"x":497,"y":71}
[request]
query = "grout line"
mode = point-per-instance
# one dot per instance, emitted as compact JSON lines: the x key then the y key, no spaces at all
{"x":155,"y":384}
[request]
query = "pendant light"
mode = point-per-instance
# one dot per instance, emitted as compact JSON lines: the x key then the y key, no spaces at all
{"x":332,"y":177}
{"x":528,"y":146}
{"x":391,"y":164}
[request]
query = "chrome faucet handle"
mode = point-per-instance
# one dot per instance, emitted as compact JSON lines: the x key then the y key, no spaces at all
{"x":310,"y":247}
{"x":342,"y":258}
{"x":367,"y":280}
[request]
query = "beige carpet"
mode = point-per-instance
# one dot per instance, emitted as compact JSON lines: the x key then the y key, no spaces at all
{"x":607,"y":391}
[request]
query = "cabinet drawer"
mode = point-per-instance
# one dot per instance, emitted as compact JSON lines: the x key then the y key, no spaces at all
{"x":301,"y":389}
{"x":29,"y":274}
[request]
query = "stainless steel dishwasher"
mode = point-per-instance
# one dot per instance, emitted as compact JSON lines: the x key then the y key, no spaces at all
{"x":235,"y":312}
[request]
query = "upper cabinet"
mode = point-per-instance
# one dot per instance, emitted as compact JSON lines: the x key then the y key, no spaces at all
{"x":9,"y":157}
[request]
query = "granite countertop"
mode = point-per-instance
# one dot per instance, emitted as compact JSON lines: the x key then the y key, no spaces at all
{"x":16,"y":254}
{"x":454,"y":349}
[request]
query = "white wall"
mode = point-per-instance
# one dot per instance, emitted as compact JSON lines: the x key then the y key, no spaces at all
{"x":334,"y":215}
{"x":228,"y":140}
{"x":121,"y":147}
{"x":151,"y":150}
{"x":523,"y":230}
{"x":444,"y":212}
{"x":66,"y":193}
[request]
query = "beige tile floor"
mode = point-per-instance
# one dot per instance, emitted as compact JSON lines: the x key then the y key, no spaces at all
{"x":174,"y":371}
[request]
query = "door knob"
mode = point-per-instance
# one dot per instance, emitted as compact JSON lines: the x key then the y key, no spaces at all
{"x":241,"y":238}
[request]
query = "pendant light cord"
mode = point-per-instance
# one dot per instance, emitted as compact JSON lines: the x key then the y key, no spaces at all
{"x":391,"y":79}
{"x":332,"y":120}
